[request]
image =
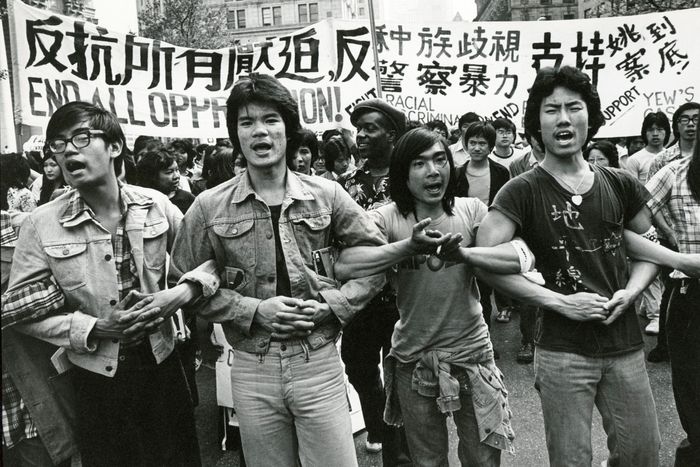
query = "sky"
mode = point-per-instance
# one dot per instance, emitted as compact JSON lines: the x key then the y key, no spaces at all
{"x":118,"y":16}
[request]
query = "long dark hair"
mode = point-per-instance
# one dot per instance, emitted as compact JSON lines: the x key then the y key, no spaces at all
{"x":694,"y":169}
{"x":408,"y":148}
{"x":49,"y":186}
{"x":14,"y":173}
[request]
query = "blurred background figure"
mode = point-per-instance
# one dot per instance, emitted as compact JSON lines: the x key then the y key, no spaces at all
{"x":51,"y":184}
{"x":14,"y":177}
{"x":337,"y":159}
{"x":302,"y":150}
{"x":159,"y":170}
{"x":602,"y":153}
{"x":219,"y":167}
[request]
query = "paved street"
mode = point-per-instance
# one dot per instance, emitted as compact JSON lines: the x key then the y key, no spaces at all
{"x":528,"y":425}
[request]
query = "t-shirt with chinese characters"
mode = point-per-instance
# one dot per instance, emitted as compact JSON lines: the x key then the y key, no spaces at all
{"x":578,"y":248}
{"x":438,"y":300}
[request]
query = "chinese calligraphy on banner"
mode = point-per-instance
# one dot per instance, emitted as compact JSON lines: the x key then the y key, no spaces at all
{"x":439,"y":71}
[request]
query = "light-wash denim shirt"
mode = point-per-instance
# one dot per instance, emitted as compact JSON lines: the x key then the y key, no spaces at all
{"x":77,"y":252}
{"x":232,"y":224}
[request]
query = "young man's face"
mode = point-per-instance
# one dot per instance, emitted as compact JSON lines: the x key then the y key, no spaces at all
{"x":262,"y":135}
{"x":169,"y":178}
{"x":504,"y":138}
{"x":478,"y":148}
{"x":302,"y":160}
{"x":373,"y":140}
{"x":87,"y":166}
{"x":688,"y":124}
{"x":655,"y":136}
{"x":563,"y":122}
{"x":428,"y":175}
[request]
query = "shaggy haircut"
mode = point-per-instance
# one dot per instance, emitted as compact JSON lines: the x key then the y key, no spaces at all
{"x":570,"y":78}
{"x":483,"y":129}
{"x":679,"y":112}
{"x":260,"y":89}
{"x":334,"y":150}
{"x":659,"y":119}
{"x":504,"y":124}
{"x":97,"y":118}
{"x":408,"y":148}
{"x":14,"y":172}
{"x":149,"y":167}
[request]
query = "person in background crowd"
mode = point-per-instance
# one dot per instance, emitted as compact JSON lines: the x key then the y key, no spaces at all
{"x":677,"y":187}
{"x":532,"y":158}
{"x":79,"y":264}
{"x":412,"y":124}
{"x":281,"y":310}
{"x":159,"y":170}
{"x":14,"y":174}
{"x":197,"y":180}
{"x":602,"y":153}
{"x":220,"y":167}
{"x":302,"y":150}
{"x":622,"y":151}
{"x":184,"y":156}
{"x":337,"y":158}
{"x":505,"y":152}
{"x":438,"y":126}
{"x":589,"y":346}
{"x":378,"y":126}
{"x":441,"y":361}
{"x":481,"y":177}
{"x":459,"y":148}
{"x":635,"y":144}
{"x":656,"y":131}
{"x":143,"y":144}
{"x":684,"y":125}
{"x":239,"y":165}
{"x":51,"y":184}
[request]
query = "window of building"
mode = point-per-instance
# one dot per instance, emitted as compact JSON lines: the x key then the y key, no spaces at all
{"x":241,"y":18}
{"x":525,"y":14}
{"x":524,"y":2}
{"x":545,"y":2}
{"x":303,"y":13}
{"x":361,"y":11}
{"x":272,"y":16}
{"x":308,"y":12}
{"x":313,"y":12}
{"x":235,"y":19}
{"x":569,"y":1}
{"x":569,"y":16}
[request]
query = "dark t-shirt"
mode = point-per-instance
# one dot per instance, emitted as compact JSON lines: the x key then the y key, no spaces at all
{"x":284,"y":287}
{"x":182,"y":199}
{"x":578,"y":249}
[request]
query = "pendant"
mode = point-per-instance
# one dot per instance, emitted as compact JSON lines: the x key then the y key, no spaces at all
{"x":577,"y":199}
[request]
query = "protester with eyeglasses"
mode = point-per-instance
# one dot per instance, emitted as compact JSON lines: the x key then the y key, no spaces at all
{"x":87,"y":276}
{"x":504,"y":151}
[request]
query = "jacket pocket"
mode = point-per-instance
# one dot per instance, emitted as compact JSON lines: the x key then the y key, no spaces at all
{"x":238,"y":241}
{"x":155,"y":243}
{"x":68,"y":262}
{"x":234,"y":279}
{"x":312,"y":233}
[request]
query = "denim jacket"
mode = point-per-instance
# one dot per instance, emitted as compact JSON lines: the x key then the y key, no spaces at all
{"x":77,"y":252}
{"x":232,"y":224}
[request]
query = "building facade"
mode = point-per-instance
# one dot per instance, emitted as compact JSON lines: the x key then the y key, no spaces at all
{"x":532,"y":10}
{"x":78,"y":8}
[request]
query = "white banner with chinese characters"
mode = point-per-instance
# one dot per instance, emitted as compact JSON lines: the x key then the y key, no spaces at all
{"x":437,"y":71}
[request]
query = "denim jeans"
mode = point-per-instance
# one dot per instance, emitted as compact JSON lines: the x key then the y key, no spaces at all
{"x":292,"y":405}
{"x":426,"y":426}
{"x":571,"y":384}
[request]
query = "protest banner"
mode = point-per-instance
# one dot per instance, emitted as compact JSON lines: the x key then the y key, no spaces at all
{"x":640,"y":64}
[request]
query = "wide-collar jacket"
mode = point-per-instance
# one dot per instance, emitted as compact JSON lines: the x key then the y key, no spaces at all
{"x":232,"y":224}
{"x":62,"y":240}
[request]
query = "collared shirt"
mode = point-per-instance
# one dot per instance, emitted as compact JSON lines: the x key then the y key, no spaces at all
{"x":460,"y":156}
{"x":522,"y":164}
{"x":16,"y":422}
{"x":664,"y":157}
{"x":45,"y":297}
{"x":368,"y":191}
{"x":669,"y":188}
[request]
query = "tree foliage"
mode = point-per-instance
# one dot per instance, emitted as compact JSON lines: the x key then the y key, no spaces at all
{"x":186,"y":23}
{"x":638,"y":7}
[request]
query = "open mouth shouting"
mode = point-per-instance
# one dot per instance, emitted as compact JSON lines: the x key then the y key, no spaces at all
{"x":434,"y":188}
{"x":261,"y":148}
{"x":564,"y":136}
{"x":73,"y":166}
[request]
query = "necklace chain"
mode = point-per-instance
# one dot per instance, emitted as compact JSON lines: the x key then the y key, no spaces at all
{"x":571,"y":188}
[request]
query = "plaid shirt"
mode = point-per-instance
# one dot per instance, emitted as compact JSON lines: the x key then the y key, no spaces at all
{"x":669,"y":188}
{"x":16,"y":422}
{"x":42,"y":298}
{"x":664,"y":158}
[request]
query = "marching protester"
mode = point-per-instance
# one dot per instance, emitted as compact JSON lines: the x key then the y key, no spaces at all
{"x":159,"y":171}
{"x":684,"y":125}
{"x":572,"y":216}
{"x":269,"y":231}
{"x":14,"y":193}
{"x":459,"y":148}
{"x":379,"y":125}
{"x":504,"y":151}
{"x":441,"y":349}
{"x":51,"y":184}
{"x":80,"y":265}
{"x":602,"y":153}
{"x":677,"y":187}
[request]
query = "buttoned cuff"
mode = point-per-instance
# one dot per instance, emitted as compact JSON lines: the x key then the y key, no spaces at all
{"x":81,"y":326}
{"x":339,"y":305}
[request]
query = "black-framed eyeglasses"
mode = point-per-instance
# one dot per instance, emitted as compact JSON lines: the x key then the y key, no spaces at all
{"x":78,"y":140}
{"x":686,"y":119}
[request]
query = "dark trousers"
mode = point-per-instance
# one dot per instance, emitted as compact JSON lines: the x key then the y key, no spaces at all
{"x":143,"y":416}
{"x":29,"y":453}
{"x":683,"y":332}
{"x":663,"y":306}
{"x":486,"y":305}
{"x":363,"y":339}
{"x":528,"y":320}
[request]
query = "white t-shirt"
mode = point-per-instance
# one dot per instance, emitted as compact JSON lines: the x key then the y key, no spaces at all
{"x":639,"y":163}
{"x":438,"y":302}
{"x":506,"y":161}
{"x":459,"y":154}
